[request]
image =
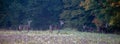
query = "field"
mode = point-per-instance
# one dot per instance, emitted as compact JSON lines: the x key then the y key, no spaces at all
{"x":64,"y":37}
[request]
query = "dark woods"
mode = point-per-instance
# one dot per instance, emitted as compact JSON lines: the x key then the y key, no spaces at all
{"x":100,"y":16}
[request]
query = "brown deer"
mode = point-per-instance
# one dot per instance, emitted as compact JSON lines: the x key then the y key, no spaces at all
{"x":97,"y":23}
{"x":61,"y":25}
{"x":25,"y":27}
{"x":50,"y":28}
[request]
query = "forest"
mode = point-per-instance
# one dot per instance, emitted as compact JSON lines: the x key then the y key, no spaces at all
{"x":84,"y":15}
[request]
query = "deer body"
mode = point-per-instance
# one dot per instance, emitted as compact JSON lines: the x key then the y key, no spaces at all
{"x":25,"y":27}
{"x":51,"y":28}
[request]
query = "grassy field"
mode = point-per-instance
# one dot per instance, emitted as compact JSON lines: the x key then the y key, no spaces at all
{"x":64,"y":37}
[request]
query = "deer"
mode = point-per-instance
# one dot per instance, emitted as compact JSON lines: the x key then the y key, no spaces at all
{"x":51,"y":28}
{"x":25,"y":26}
{"x":61,"y":25}
{"x":101,"y":26}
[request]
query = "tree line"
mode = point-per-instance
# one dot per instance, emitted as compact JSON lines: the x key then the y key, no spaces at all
{"x":95,"y":15}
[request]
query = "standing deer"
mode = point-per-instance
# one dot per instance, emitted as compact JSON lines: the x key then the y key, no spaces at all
{"x":25,"y":27}
{"x":101,"y":26}
{"x":98,"y":23}
{"x":51,"y":28}
{"x":61,"y":25}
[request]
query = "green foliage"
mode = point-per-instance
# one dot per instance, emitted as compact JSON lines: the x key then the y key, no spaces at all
{"x":42,"y":12}
{"x":83,"y":10}
{"x":75,"y":13}
{"x":78,"y":16}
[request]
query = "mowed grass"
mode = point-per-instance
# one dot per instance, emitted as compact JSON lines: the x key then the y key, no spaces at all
{"x":65,"y":36}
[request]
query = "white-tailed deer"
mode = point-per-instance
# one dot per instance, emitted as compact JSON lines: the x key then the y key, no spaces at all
{"x":61,"y":25}
{"x":26,"y":26}
{"x":51,"y":28}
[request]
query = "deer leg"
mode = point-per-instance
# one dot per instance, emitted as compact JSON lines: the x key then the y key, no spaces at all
{"x":20,"y":28}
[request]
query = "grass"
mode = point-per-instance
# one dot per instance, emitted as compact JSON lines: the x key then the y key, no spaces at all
{"x":66,"y":36}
